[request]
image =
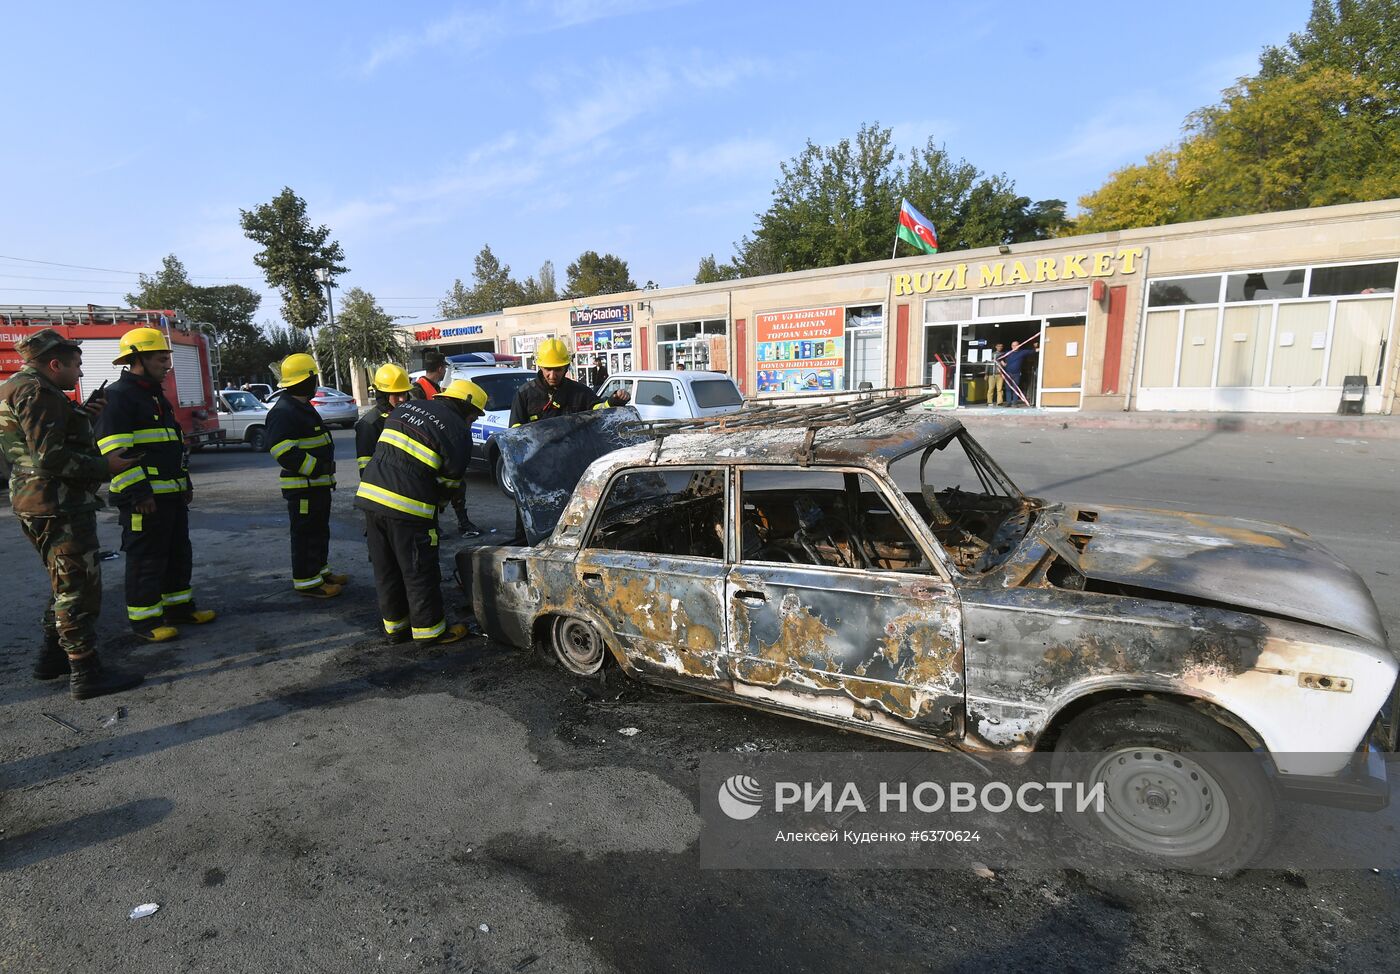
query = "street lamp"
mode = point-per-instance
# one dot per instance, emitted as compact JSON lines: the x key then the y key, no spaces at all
{"x":323,"y":276}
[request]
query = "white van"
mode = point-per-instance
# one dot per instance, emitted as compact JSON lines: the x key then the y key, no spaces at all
{"x":676,"y":395}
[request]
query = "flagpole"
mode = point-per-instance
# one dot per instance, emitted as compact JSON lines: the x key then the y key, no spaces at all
{"x":895,"y":249}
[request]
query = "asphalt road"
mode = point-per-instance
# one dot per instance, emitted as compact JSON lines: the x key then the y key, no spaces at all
{"x":298,"y":796}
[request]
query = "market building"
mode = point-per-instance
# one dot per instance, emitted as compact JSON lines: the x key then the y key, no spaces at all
{"x":1275,"y":312}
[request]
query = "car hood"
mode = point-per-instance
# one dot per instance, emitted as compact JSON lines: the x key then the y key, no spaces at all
{"x":1252,"y":566}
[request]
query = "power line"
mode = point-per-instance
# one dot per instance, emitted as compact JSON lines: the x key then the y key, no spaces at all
{"x":113,"y":270}
{"x":47,"y":290}
{"x":69,"y":280}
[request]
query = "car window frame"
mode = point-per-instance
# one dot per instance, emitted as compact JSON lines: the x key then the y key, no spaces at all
{"x":595,"y":516}
{"x":938,"y":566}
{"x":625,"y":383}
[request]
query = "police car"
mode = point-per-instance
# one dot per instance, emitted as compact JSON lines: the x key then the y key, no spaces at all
{"x":500,"y":385}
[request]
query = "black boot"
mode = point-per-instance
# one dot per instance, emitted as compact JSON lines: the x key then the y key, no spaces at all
{"x":91,"y":679}
{"x":51,"y":661}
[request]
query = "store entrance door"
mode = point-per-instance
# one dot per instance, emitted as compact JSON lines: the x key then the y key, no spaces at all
{"x":1062,"y":358}
{"x":979,"y":372}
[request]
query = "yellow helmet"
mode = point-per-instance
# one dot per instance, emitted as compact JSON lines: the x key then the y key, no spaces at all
{"x":467,"y":391}
{"x":552,"y":354}
{"x":391,"y":378}
{"x":140,"y":340}
{"x":296,"y":368}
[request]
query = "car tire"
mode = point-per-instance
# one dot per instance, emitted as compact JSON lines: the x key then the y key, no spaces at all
{"x":257,"y":439}
{"x":1174,"y":796}
{"x":499,"y":471}
{"x":578,"y":645}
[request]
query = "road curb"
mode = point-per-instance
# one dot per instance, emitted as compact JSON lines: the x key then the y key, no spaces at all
{"x":1353,"y":427}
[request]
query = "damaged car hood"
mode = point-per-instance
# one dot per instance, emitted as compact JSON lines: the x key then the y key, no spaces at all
{"x":1253,"y":566}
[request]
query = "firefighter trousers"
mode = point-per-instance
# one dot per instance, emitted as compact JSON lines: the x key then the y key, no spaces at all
{"x":158,"y":563}
{"x":68,"y":545}
{"x":310,"y":512}
{"x":406,"y":574}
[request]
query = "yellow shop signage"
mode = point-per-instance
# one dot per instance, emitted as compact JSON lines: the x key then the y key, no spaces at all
{"x":1040,"y":270}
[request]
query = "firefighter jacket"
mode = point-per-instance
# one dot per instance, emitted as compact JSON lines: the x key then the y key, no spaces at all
{"x":55,"y":467}
{"x":300,"y":444}
{"x":367,"y":433}
{"x":419,"y":462}
{"x":140,"y":419}
{"x":535,"y":400}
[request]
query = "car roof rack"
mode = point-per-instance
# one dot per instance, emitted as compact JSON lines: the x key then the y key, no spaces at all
{"x":834,"y":409}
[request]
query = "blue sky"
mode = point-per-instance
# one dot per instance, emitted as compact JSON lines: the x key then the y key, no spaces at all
{"x":653,"y":130}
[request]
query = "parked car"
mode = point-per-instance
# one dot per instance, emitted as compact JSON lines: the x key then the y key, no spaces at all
{"x":676,"y":395}
{"x":333,"y":406}
{"x":869,"y":566}
{"x":262,"y":390}
{"x":500,"y":385}
{"x":243,"y":418}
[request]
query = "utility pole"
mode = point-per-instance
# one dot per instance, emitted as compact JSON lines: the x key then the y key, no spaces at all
{"x":323,"y":275}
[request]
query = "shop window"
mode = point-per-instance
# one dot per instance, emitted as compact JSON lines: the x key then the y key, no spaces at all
{"x":1009,"y":305}
{"x":1184,"y":290}
{"x":1358,"y":340}
{"x":663,"y":512}
{"x":947,"y":309}
{"x":1064,"y":301}
{"x":1300,"y":344}
{"x":1264,"y":285}
{"x":693,"y":345}
{"x":865,"y":347}
{"x":1198,"y":330}
{"x":1353,"y":279}
{"x":1244,"y":346}
{"x":941,"y":356}
{"x":1160,"y":340}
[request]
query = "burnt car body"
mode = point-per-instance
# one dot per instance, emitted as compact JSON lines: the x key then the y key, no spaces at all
{"x":884,"y":575}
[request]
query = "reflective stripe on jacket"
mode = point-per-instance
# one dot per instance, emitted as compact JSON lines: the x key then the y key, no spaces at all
{"x":140,"y":419}
{"x":418,"y":462}
{"x":300,"y":445}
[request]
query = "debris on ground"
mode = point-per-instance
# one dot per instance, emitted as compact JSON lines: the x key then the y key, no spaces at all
{"x":144,"y":910}
{"x":629,"y":731}
{"x":111,"y":719}
{"x":484,"y":928}
{"x":526,"y":961}
{"x":59,"y":721}
{"x":981,"y":869}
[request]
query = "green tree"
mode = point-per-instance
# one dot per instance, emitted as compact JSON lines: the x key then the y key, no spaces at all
{"x":711,"y":271}
{"x":1319,"y":124}
{"x":541,"y":290}
{"x":364,"y":333}
{"x":838,"y":205}
{"x":292,"y":251}
{"x":492,"y":289}
{"x":457,"y":302}
{"x":595,"y":273}
{"x":227,"y":309}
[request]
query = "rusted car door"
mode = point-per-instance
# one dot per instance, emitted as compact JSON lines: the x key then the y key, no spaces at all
{"x":653,"y":568}
{"x":835,"y":605}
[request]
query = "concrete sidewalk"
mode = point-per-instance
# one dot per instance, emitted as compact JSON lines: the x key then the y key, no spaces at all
{"x":1293,"y":424}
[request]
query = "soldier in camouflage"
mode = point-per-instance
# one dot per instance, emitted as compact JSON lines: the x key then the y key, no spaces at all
{"x":56,"y":471}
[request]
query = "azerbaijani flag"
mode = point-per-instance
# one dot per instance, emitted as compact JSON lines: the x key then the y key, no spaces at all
{"x":916,"y":230}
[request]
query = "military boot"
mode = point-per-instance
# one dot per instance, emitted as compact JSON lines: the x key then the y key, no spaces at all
{"x":91,"y":679}
{"x":51,"y":661}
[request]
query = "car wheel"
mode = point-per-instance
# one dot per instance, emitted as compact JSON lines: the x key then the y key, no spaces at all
{"x":500,"y":472}
{"x":578,"y":646}
{"x":1174,"y":792}
{"x":257,"y":439}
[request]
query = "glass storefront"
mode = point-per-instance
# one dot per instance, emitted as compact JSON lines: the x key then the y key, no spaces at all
{"x":599,"y":352}
{"x":820,"y":349}
{"x":695,"y":345}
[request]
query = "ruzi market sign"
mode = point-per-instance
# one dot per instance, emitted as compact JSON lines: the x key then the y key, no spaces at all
{"x":1039,"y":270}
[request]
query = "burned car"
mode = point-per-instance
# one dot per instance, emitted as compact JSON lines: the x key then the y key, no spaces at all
{"x":868,"y":566}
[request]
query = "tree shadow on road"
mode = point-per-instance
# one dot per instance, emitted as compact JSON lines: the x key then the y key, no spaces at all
{"x":1128,"y":465}
{"x":94,"y":828}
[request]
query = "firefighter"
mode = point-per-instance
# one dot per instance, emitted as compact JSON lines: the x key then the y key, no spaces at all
{"x":391,"y":388}
{"x":415,"y":472}
{"x":153,"y":497}
{"x":55,"y":473}
{"x":303,"y":448}
{"x":428,"y":385}
{"x":552,"y":393}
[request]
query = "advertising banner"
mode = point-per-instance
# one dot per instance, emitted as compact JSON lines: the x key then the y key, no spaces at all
{"x":618,"y":314}
{"x":801,"y":351}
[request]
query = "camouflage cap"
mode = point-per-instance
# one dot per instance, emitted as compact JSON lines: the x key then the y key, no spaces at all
{"x":42,"y":342}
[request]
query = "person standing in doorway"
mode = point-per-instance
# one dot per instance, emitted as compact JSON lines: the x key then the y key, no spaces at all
{"x":1015,"y":364}
{"x":996,"y":390}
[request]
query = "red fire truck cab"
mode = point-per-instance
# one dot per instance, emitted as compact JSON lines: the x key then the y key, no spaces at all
{"x":189,"y":386}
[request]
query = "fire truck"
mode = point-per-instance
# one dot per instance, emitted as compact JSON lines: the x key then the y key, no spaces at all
{"x":189,"y":386}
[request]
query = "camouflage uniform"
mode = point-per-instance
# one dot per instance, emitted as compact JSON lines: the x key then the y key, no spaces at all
{"x":56,"y":472}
